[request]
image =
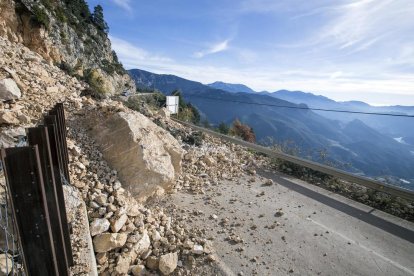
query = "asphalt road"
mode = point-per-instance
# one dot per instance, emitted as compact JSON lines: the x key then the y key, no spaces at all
{"x":294,"y":228}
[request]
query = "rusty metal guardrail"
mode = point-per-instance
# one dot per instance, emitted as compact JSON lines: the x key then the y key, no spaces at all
{"x":364,"y":181}
{"x":34,"y":176}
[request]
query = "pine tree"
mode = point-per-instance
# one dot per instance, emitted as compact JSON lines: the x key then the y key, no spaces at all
{"x":223,"y":128}
{"x":98,"y":19}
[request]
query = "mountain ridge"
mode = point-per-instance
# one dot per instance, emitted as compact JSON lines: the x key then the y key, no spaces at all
{"x":231,"y":87}
{"x":391,"y":126}
{"x":311,"y":132}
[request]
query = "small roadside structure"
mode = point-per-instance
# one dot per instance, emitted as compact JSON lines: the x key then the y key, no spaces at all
{"x":172,"y":104}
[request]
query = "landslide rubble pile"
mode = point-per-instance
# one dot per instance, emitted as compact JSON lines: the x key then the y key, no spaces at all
{"x":128,"y":238}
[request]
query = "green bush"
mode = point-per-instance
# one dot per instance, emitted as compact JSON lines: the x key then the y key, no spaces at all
{"x":112,"y":67}
{"x":47,"y":4}
{"x":186,"y":111}
{"x":98,"y":88}
{"x":107,"y":67}
{"x":98,"y":19}
{"x":195,"y":138}
{"x":67,"y":68}
{"x":40,"y":17}
{"x":141,"y":103}
{"x":60,"y":15}
{"x":223,"y":128}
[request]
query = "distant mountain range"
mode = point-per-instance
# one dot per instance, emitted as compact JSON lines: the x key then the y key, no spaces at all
{"x":233,"y":88}
{"x":351,"y":141}
{"x":391,"y":126}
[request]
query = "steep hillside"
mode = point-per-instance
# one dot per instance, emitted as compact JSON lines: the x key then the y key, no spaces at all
{"x":305,"y":132}
{"x":66,"y":33}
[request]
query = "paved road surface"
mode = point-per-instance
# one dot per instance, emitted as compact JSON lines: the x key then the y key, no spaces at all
{"x":319,"y":233}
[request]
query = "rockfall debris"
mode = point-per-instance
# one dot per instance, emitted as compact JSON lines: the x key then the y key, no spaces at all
{"x":128,"y":237}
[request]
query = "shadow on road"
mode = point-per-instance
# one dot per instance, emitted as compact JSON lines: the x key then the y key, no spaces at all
{"x":367,"y":217}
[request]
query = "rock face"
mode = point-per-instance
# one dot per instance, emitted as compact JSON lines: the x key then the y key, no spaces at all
{"x":54,"y":32}
{"x":146,"y":156}
{"x":168,"y":263}
{"x":9,"y":90}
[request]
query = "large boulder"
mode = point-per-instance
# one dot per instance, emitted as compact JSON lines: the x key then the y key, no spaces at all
{"x":146,"y":156}
{"x":9,"y":90}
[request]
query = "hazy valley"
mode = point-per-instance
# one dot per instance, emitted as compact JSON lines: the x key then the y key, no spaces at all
{"x":371,"y":145}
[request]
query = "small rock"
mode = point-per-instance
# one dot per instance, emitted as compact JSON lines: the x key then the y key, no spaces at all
{"x":156,"y":236}
{"x":143,"y":244}
{"x":81,"y":166}
{"x":98,"y":226}
{"x":152,"y":262}
{"x":8,"y":118}
{"x":108,"y":241}
{"x":101,"y":258}
{"x":5,"y":259}
{"x":138,"y":270}
{"x":168,"y":263}
{"x":122,"y":266}
{"x":268,"y":182}
{"x":197,"y":249}
{"x":9,"y":90}
{"x":211,"y":258}
{"x":23,"y":119}
{"x":279,"y":213}
{"x":146,"y":254}
{"x":209,"y":161}
{"x":100,"y":199}
{"x":52,"y":89}
{"x":117,"y":224}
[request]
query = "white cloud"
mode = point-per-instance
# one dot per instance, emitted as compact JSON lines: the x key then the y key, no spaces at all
{"x":216,"y":48}
{"x":363,"y":23}
{"x":337,"y":84}
{"x":133,"y":56}
{"x":125,"y":4}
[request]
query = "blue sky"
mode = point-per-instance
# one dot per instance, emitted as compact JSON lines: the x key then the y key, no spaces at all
{"x":346,"y":50}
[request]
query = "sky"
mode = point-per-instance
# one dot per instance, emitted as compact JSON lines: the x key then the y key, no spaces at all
{"x":345,"y":50}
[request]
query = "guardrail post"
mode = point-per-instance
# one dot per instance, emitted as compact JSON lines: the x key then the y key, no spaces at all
{"x":39,"y":136}
{"x":57,"y":157}
{"x":27,"y":193}
{"x":58,"y":166}
{"x":58,"y":112}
